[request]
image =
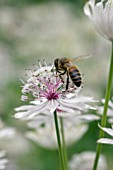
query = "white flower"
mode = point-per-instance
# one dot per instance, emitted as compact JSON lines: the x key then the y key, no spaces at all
{"x":3,"y":160}
{"x":109,"y":131}
{"x":47,"y":93}
{"x":84,"y":161}
{"x":44,"y":129}
{"x":101,"y":15}
{"x":44,"y":133}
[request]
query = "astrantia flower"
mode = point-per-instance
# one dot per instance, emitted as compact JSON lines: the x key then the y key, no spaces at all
{"x":109,"y":131}
{"x":44,"y":131}
{"x":3,"y":160}
{"x":101,"y":15}
{"x":84,"y":161}
{"x":47,"y":92}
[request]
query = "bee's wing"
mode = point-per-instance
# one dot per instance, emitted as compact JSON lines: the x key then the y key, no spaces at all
{"x":81,"y":57}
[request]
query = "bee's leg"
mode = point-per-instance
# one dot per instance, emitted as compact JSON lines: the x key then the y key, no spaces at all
{"x":67,"y":83}
{"x":61,"y":72}
{"x":60,"y":75}
{"x":57,"y":71}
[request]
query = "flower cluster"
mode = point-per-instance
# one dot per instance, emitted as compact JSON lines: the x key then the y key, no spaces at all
{"x":101,"y":15}
{"x":47,"y":93}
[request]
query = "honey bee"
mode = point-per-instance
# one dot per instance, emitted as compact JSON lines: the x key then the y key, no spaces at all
{"x":66,"y":66}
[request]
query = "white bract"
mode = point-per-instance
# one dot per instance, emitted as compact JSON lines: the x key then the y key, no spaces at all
{"x":109,"y":131}
{"x":84,"y":161}
{"x":101,"y":15}
{"x":110,"y":120}
{"x":3,"y":160}
{"x":47,"y":93}
{"x":109,"y":111}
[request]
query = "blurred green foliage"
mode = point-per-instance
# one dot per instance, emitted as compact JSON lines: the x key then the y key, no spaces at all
{"x":30,"y":2}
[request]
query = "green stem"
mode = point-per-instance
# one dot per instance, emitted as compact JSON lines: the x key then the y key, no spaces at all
{"x":104,"y":116}
{"x":63,"y":143}
{"x":59,"y":141}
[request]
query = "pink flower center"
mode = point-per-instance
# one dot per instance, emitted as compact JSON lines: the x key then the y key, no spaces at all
{"x":52,"y":96}
{"x":49,"y":88}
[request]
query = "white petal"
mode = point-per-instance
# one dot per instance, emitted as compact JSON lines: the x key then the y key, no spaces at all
{"x":105,"y":141}
{"x":20,"y":115}
{"x":100,"y":20}
{"x":38,"y":111}
{"x":87,"y":9}
{"x":90,"y":107}
{"x":73,"y":104}
{"x":65,"y":106}
{"x":32,"y":111}
{"x":100,"y":111}
{"x":40,"y":101}
{"x":109,"y":11}
{"x":88,"y":117}
{"x":53,"y":105}
{"x":82,"y":99}
{"x":25,"y":107}
{"x":107,"y":130}
{"x":110,"y":103}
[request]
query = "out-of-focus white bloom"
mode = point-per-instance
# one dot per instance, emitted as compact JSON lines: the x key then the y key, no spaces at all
{"x":3,"y":160}
{"x":101,"y":15}
{"x":109,"y":131}
{"x":44,"y":133}
{"x":47,"y":92}
{"x":6,"y":132}
{"x":84,"y":161}
{"x":9,"y":137}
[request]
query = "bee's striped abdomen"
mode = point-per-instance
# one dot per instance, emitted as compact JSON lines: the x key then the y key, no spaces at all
{"x":75,"y":76}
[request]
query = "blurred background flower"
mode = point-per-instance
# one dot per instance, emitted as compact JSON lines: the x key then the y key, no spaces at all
{"x":44,"y":134}
{"x":84,"y":161}
{"x":3,"y":160}
{"x":13,"y":142}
